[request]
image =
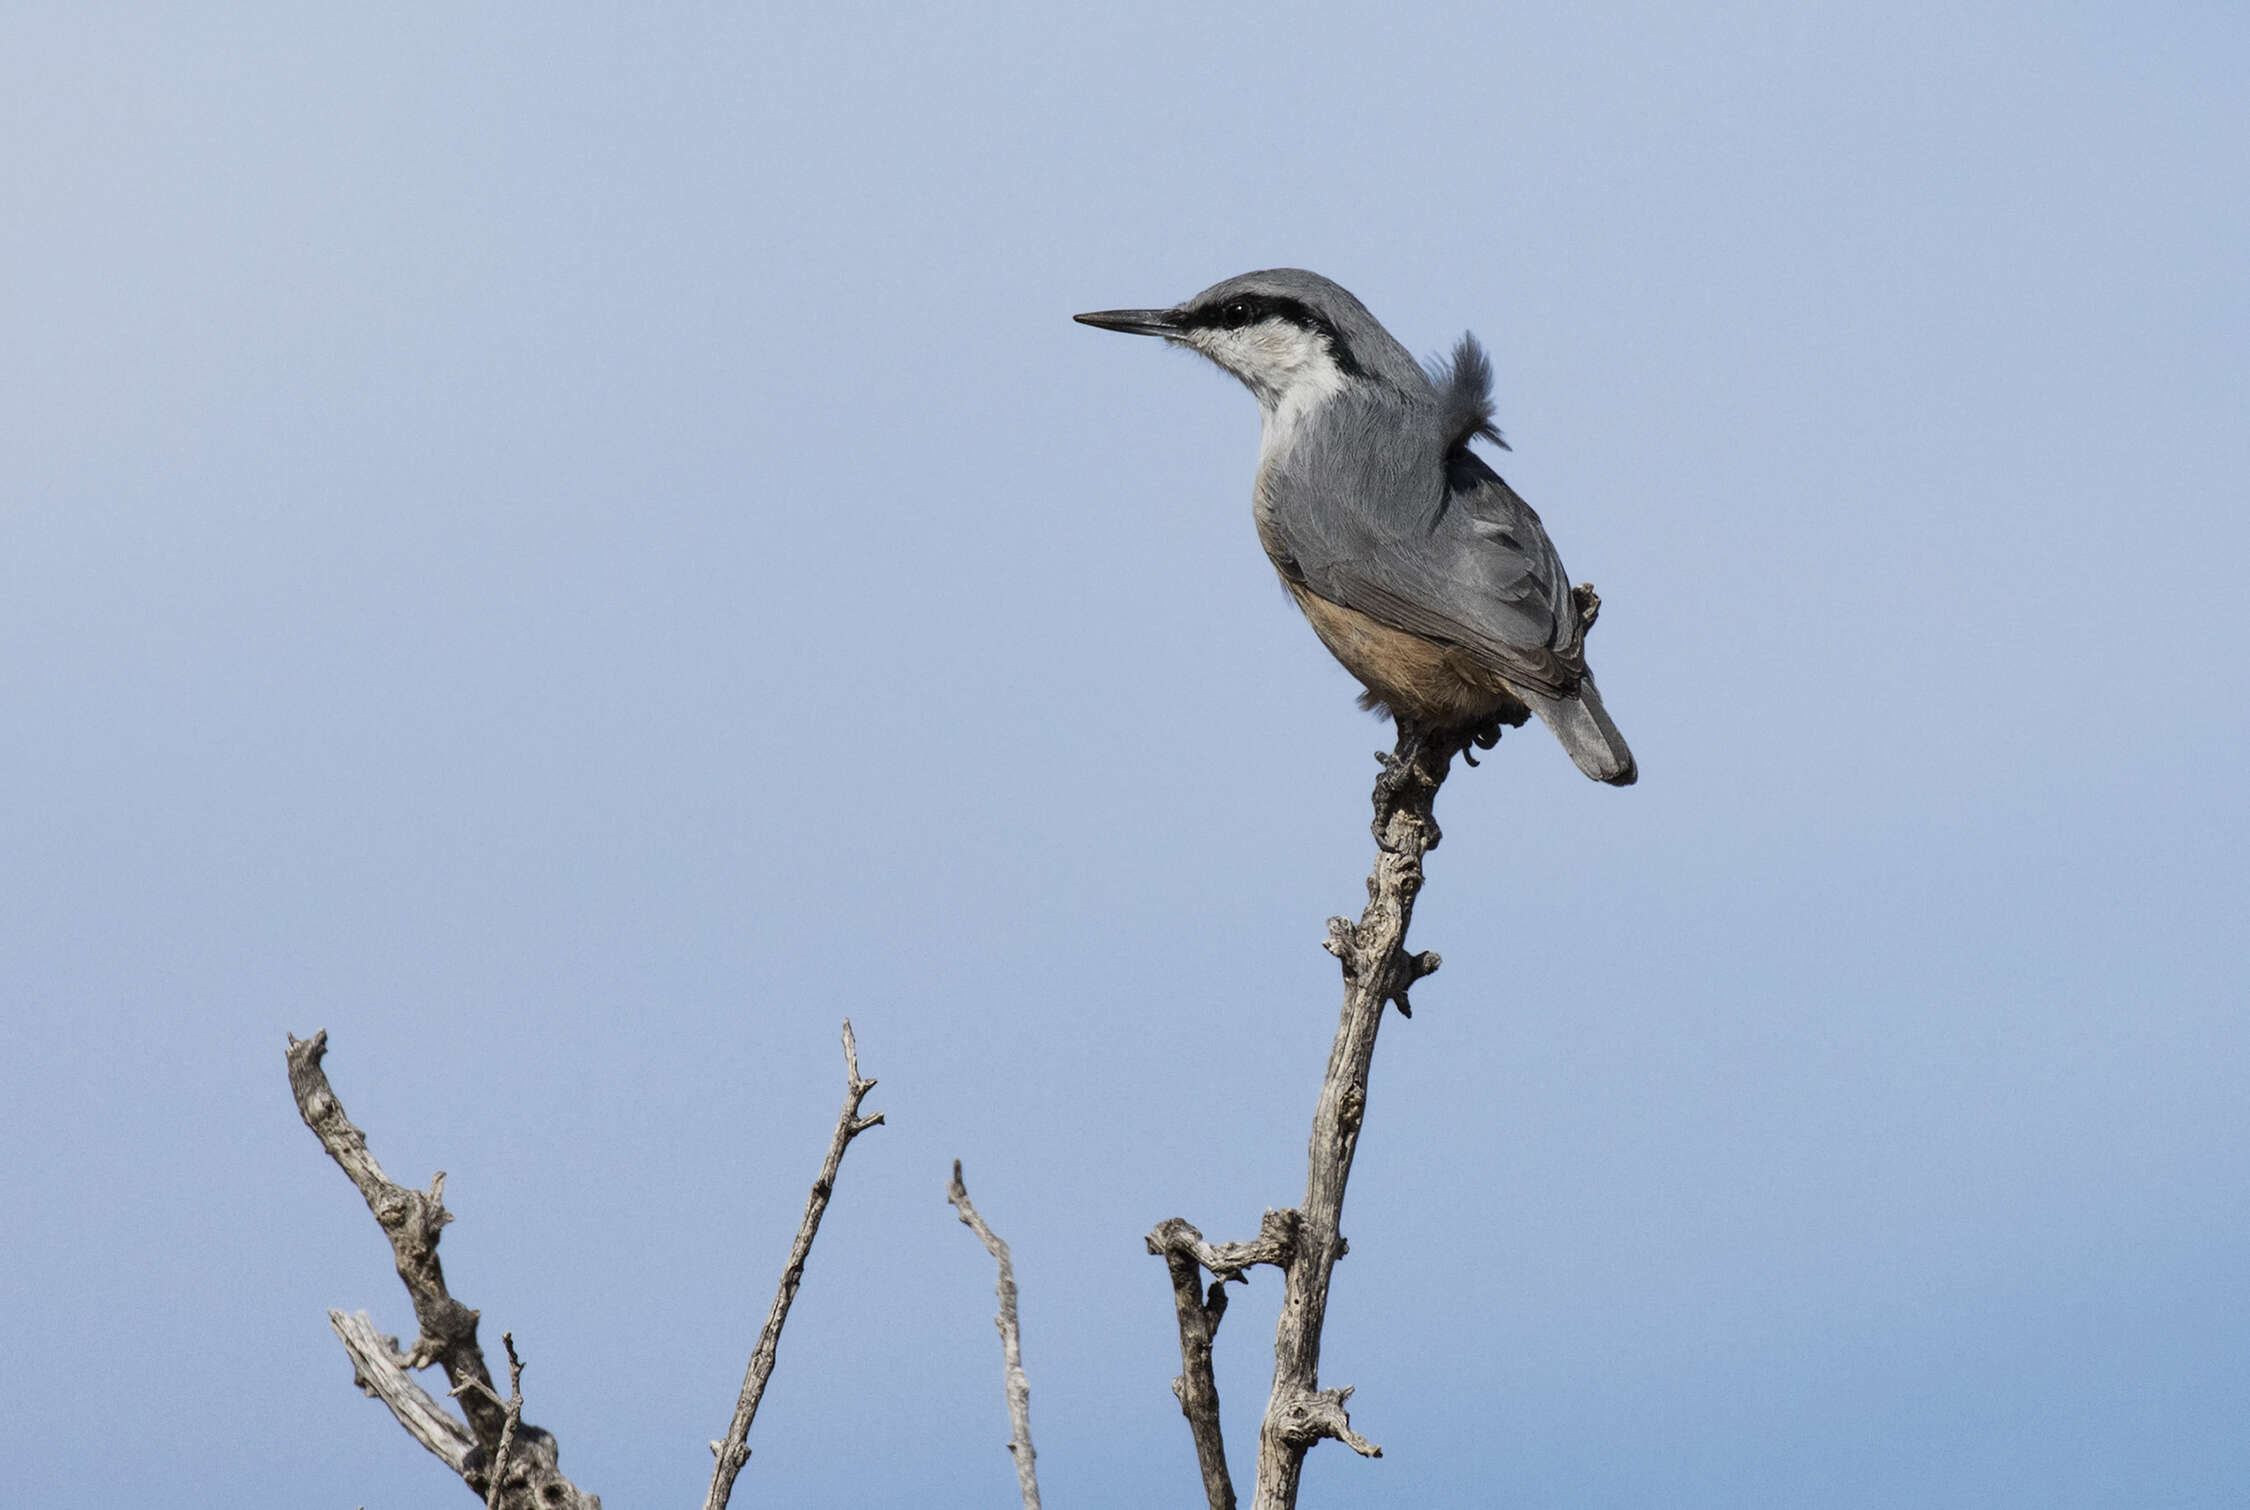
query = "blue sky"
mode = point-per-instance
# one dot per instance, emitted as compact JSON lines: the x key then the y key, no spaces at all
{"x":574,"y":549}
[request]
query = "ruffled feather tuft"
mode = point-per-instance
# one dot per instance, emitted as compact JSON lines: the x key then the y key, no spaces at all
{"x":1464,"y":385}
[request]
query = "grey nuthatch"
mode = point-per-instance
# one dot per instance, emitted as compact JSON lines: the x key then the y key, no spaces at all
{"x":1418,"y":567}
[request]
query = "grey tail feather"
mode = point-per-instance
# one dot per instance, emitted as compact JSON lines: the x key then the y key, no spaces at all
{"x":1464,"y":385}
{"x":1582,"y":725}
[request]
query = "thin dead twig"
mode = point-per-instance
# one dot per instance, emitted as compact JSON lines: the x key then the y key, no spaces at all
{"x":514,"y":1408}
{"x":1011,"y":1343}
{"x":734,"y":1451}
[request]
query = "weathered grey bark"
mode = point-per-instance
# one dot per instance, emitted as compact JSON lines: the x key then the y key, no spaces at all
{"x":513,"y":1406}
{"x":1199,"y":1312}
{"x":1377,"y":971}
{"x":378,"y":1369}
{"x":735,"y":1450}
{"x":413,"y":1220}
{"x":1011,"y":1343}
{"x":1306,"y":1242}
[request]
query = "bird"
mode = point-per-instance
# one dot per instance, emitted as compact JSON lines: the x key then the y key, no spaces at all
{"x":1418,"y":567}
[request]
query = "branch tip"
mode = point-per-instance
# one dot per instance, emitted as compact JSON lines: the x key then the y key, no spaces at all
{"x":1018,"y":1388}
{"x":733,"y":1451}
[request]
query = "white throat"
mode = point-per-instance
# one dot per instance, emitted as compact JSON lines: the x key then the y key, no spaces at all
{"x":1288,"y":367}
{"x":1287,"y":411}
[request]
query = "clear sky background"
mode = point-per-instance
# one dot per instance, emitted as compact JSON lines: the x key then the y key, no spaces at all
{"x":576,"y":547}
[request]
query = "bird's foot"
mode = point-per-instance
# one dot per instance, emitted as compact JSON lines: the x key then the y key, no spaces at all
{"x":1391,"y":785}
{"x":1410,"y":778}
{"x":1482,"y":737}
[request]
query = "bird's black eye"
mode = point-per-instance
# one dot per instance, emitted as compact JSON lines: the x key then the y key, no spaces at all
{"x":1236,"y":314}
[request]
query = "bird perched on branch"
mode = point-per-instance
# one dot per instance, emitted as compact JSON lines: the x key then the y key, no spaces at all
{"x":1418,"y":567}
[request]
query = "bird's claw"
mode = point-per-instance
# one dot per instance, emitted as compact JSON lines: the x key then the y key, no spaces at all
{"x":1483,"y":737}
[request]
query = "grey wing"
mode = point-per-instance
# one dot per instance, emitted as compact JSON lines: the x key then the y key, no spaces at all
{"x":1472,"y":568}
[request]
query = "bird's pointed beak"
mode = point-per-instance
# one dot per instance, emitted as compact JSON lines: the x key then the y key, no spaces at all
{"x":1135,"y":322}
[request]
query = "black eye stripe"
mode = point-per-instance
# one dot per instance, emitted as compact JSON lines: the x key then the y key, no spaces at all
{"x":1242,"y":310}
{"x":1252,"y":309}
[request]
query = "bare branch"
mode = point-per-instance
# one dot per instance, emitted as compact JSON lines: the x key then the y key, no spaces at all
{"x":413,"y":1221}
{"x":1011,"y":1343}
{"x":1199,"y":1312}
{"x":379,"y":1369}
{"x":1276,"y":1240}
{"x":514,"y":1408}
{"x":1377,"y":971}
{"x":735,"y":1450}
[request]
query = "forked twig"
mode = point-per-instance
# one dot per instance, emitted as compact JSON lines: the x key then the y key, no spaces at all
{"x":514,"y":1407}
{"x":1305,"y":1242}
{"x":493,"y":1434}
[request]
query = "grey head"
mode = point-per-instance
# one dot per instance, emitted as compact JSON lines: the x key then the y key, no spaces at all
{"x":1294,"y":338}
